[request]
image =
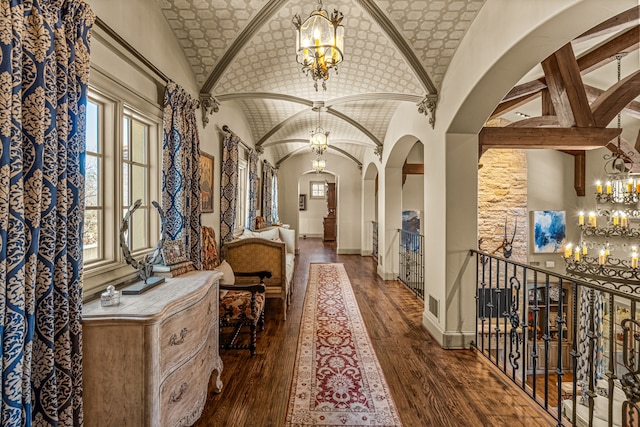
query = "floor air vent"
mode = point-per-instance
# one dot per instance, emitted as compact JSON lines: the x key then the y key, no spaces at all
{"x":433,"y":306}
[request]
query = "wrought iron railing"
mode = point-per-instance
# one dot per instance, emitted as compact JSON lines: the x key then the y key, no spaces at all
{"x":374,"y":234}
{"x":411,"y":271}
{"x":571,"y":345}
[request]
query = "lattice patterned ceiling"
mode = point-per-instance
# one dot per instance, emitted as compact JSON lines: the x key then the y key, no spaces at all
{"x":395,"y":51}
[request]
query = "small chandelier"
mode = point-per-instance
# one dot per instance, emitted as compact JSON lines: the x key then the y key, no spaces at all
{"x":319,"y":139}
{"x":318,"y":164}
{"x":319,"y":43}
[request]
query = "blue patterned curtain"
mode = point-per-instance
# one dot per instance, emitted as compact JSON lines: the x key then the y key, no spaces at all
{"x":267,"y":188}
{"x":253,"y":189}
{"x":44,"y":70}
{"x":181,"y":171}
{"x":274,"y":198}
{"x":229,"y":186}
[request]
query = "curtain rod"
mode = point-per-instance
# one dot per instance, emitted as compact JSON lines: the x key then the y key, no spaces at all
{"x":107,"y":29}
{"x":226,"y":129}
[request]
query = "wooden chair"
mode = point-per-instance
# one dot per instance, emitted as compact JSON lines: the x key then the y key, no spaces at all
{"x":240,"y":305}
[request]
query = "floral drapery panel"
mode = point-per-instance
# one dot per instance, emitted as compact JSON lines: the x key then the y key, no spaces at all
{"x":229,"y":186}
{"x":253,"y":189}
{"x":181,"y":172}
{"x":44,"y":71}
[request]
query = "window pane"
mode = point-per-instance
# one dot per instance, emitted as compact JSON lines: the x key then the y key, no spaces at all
{"x":126,"y":200}
{"x":138,"y":143}
{"x":125,"y":138}
{"x":91,"y":236}
{"x":138,"y":230}
{"x":139,"y":183}
{"x":91,"y":183}
{"x":92,"y":127}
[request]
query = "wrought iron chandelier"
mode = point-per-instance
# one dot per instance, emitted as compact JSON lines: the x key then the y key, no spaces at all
{"x":319,"y":43}
{"x":318,"y":164}
{"x":319,"y":139}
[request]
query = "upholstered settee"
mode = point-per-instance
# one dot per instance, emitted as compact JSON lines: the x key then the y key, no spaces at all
{"x":273,"y":250}
{"x":600,"y":407}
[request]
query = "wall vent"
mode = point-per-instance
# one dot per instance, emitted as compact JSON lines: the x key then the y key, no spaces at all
{"x":433,"y":306}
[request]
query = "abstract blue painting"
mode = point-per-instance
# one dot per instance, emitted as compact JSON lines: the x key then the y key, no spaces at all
{"x":549,"y":231}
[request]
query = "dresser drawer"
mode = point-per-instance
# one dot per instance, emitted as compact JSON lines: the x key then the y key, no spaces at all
{"x":183,"y":393}
{"x":186,"y":331}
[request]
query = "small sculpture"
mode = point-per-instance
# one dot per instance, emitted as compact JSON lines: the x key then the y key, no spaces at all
{"x":144,"y":267}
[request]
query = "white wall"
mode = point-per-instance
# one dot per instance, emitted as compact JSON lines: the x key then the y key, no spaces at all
{"x":550,"y":187}
{"x":348,"y":191}
{"x":310,"y":221}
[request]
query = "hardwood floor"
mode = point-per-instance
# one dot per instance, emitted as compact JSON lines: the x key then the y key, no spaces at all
{"x":431,"y":386}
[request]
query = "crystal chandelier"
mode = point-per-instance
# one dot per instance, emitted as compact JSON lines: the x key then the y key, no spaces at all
{"x":318,"y":164}
{"x":319,"y":139}
{"x":319,"y":43}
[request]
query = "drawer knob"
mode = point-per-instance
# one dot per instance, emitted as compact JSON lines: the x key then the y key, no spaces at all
{"x":176,"y":397}
{"x":174,"y":340}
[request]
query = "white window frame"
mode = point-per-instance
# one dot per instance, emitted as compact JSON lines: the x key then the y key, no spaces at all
{"x":317,"y":184}
{"x":118,"y":101}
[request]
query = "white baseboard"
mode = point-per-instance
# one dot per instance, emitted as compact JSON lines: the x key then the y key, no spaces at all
{"x":348,"y":251}
{"x":366,"y":253}
{"x":447,"y":339}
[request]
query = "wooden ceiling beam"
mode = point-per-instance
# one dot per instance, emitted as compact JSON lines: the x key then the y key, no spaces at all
{"x":604,"y":54}
{"x":547,"y":104}
{"x":573,"y":138}
{"x":566,"y":89}
{"x":613,"y":100}
{"x":537,"y":122}
{"x":579,"y":173}
{"x":632,"y":109}
{"x":612,"y":24}
{"x":587,"y":62}
{"x":413,"y":169}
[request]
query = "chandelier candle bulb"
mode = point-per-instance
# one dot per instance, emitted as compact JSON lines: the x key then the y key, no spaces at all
{"x":630,"y":186}
{"x":634,"y":260}
{"x":567,"y":251}
{"x":608,"y":187}
{"x":592,"y":219}
{"x":598,"y":187}
{"x":638,"y":186}
{"x":602,"y":258}
{"x":581,"y":218}
{"x":615,"y":219}
{"x":584,"y":249}
{"x":577,"y":254}
{"x":624,"y":222}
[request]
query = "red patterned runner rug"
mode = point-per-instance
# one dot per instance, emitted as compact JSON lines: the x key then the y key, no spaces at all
{"x":337,"y":377}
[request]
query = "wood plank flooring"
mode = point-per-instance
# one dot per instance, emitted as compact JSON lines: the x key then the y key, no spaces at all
{"x":431,"y":386}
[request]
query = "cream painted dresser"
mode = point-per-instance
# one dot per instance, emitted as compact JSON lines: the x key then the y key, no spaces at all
{"x":147,"y":361}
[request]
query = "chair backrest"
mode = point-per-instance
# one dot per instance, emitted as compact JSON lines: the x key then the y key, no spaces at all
{"x":210,"y":253}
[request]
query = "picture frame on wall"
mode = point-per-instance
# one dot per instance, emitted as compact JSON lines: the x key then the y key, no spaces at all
{"x":206,"y":182}
{"x":302,"y":202}
{"x":549,"y":231}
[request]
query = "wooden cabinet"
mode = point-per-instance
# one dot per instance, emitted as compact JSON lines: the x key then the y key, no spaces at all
{"x":544,"y":306}
{"x":148,"y":361}
{"x":329,"y":223}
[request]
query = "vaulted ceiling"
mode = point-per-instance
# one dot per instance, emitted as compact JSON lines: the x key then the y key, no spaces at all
{"x":243,"y":52}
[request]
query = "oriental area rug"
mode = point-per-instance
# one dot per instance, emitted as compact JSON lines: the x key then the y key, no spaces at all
{"x":337,"y":377}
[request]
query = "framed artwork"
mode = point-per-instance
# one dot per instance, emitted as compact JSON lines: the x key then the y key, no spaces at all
{"x":302,"y":202}
{"x":173,"y":252}
{"x":206,"y":182}
{"x":549,"y":231}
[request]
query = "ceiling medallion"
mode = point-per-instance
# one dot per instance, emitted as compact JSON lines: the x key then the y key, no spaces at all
{"x":319,"y":43}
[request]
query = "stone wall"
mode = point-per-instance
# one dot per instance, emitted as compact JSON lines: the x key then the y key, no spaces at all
{"x":502,"y":194}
